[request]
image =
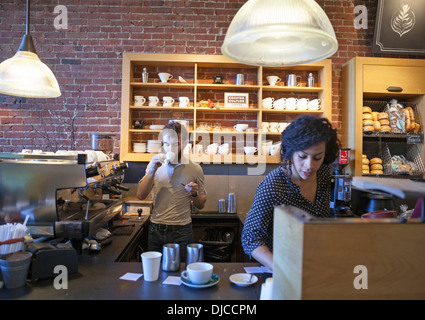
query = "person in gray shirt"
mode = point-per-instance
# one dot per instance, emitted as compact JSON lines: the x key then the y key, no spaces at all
{"x":174,"y":181}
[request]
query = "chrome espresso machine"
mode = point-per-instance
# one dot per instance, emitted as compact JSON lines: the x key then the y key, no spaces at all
{"x":64,"y":195}
{"x":340,"y":205}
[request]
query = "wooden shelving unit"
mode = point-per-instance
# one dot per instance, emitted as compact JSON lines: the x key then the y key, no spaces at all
{"x":367,"y":79}
{"x":198,"y":71}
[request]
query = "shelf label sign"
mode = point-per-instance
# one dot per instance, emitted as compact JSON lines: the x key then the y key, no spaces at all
{"x":236,"y":100}
{"x":414,"y":138}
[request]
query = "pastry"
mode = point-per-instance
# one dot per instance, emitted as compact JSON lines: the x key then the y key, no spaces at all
{"x":375,"y":116}
{"x":377,"y":126}
{"x":367,"y":116}
{"x":365,"y":161}
{"x":367,"y":110}
{"x":382,"y":115}
{"x":376,"y":166}
{"x":368,"y":128}
{"x":384,"y":122}
{"x":385,"y":128}
{"x":377,"y":172}
{"x":368,"y":122}
{"x":376,"y":160}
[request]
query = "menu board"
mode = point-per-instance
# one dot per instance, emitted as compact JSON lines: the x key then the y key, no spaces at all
{"x":399,"y":27}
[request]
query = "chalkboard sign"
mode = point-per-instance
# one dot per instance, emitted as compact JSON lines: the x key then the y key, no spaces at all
{"x":399,"y":27}
{"x":414,"y":138}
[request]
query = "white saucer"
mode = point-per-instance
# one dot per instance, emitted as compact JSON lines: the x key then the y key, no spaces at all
{"x":243,"y":279}
{"x":213,"y":281}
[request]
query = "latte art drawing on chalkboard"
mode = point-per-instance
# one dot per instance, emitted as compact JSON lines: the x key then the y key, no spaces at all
{"x":403,"y":21}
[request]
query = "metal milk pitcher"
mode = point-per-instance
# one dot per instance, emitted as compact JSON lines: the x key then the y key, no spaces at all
{"x":171,"y":257}
{"x":195,"y":253}
{"x":231,"y":203}
{"x":291,"y":80}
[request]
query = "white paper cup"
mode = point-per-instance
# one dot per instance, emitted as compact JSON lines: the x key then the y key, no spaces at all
{"x":151,"y":262}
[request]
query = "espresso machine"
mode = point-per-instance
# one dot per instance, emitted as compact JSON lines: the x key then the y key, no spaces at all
{"x":340,"y":206}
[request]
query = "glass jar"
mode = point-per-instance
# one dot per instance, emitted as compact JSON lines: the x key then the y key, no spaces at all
{"x":102,"y":142}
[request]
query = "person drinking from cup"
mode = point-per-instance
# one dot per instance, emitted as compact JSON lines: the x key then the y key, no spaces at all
{"x":174,"y":184}
{"x":308,"y":147}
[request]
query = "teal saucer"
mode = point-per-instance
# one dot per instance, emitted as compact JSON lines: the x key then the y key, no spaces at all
{"x":213,"y":281}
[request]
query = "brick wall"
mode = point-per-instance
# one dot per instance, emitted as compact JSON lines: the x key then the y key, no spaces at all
{"x":86,"y":58}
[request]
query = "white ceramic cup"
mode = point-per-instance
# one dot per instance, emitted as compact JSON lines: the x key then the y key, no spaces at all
{"x":198,"y":272}
{"x":139,"y":101}
{"x":279,"y":104}
{"x":153,"y":101}
{"x":224,"y":149}
{"x":250,"y":150}
{"x":268,"y":103}
{"x":164,"y":76}
{"x":282,"y":126}
{"x":302,"y":104}
{"x":274,"y":127}
{"x":273,"y":80}
{"x":183,"y":101}
{"x":275,"y":149}
{"x":212,"y":148}
{"x":265,"y":126}
{"x":240,"y":127}
{"x":199,"y":148}
{"x":291,"y":103}
{"x":314,"y":104}
{"x":151,"y":261}
{"x":167,"y":101}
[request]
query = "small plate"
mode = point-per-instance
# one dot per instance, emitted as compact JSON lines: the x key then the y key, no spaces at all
{"x":242,"y":279}
{"x":213,"y":281}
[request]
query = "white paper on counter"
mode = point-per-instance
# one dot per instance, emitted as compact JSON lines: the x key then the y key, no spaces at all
{"x":131,"y":276}
{"x":261,"y":269}
{"x":173,"y":280}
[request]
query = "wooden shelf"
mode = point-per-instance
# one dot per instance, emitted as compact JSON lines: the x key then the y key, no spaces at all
{"x":367,"y":78}
{"x":196,"y":70}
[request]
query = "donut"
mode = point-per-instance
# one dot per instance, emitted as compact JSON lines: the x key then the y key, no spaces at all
{"x":367,"y":116}
{"x":368,"y":122}
{"x":368,"y":128}
{"x":365,"y":161}
{"x":384,"y":122}
{"x":377,"y":172}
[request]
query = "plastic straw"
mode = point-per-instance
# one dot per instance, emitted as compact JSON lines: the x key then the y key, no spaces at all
{"x":12,"y":231}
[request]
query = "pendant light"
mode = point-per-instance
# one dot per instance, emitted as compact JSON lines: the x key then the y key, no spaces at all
{"x":277,"y":33}
{"x":24,"y":75}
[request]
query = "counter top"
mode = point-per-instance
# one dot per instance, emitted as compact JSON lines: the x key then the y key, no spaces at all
{"x":98,"y":278}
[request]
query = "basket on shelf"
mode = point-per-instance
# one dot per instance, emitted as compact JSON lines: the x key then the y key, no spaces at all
{"x":397,"y":164}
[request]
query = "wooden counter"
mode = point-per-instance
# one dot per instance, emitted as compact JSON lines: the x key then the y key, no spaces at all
{"x":321,"y":258}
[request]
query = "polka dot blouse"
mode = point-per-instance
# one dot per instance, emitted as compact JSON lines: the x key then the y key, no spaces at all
{"x":277,"y":189}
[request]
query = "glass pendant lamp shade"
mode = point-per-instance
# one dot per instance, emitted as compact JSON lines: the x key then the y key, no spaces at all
{"x":279,"y":33}
{"x":24,"y":75}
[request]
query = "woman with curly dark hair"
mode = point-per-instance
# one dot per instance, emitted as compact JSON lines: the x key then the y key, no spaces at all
{"x":309,"y":146}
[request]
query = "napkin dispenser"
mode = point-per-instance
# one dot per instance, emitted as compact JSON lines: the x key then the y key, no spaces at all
{"x":45,"y":257}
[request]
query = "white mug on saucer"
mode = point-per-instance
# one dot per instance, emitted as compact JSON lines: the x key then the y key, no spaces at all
{"x":265,"y":126}
{"x":153,"y":101}
{"x":224,"y":149}
{"x":164,"y":76}
{"x":273,"y":80}
{"x":198,"y":272}
{"x":139,"y":101}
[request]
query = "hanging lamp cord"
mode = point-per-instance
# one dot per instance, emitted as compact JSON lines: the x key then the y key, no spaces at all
{"x":28,"y":18}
